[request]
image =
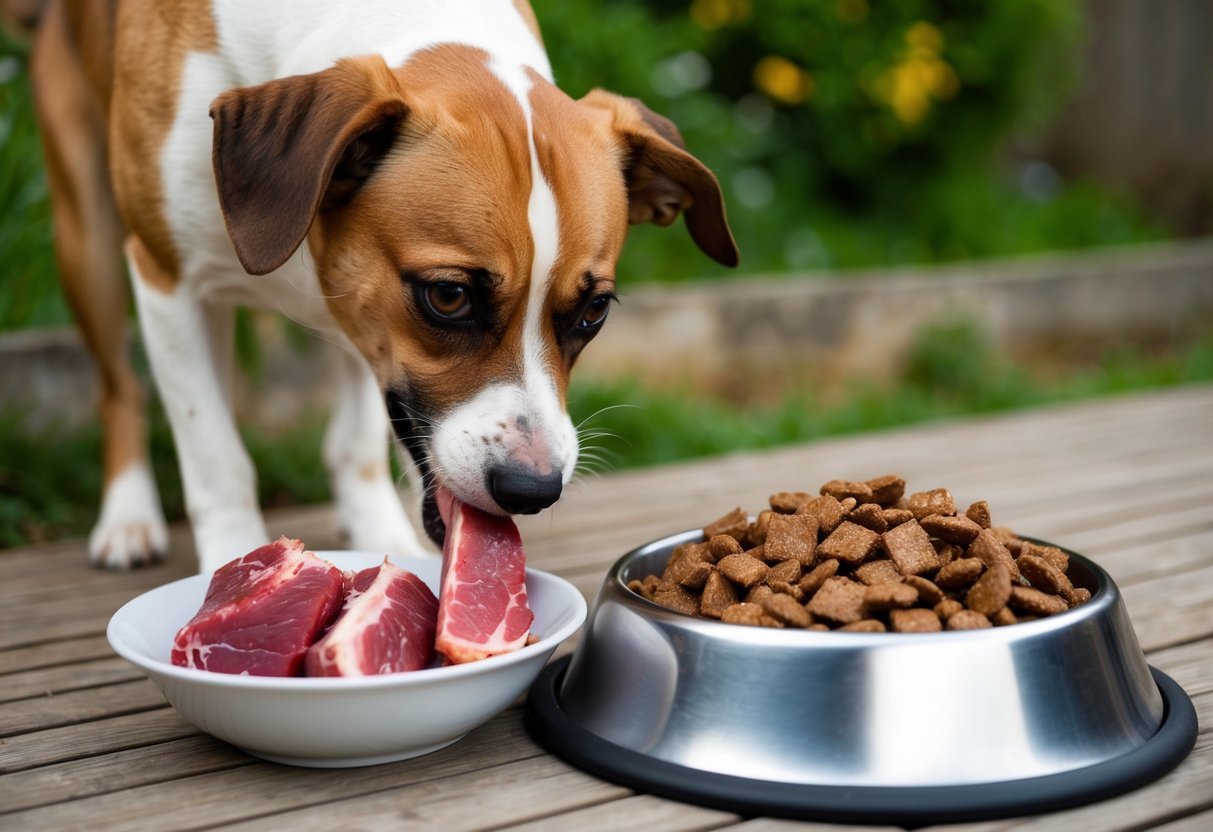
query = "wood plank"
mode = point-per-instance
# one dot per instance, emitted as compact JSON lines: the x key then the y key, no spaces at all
{"x":779,"y":825}
{"x":630,"y":813}
{"x":117,"y":770}
{"x":79,"y":706}
{"x":48,"y":681}
{"x":263,"y":788}
{"x":1202,"y":822}
{"x":54,"y":745}
{"x":49,"y":654}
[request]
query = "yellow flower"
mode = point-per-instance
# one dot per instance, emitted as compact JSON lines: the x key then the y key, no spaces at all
{"x":710,"y":15}
{"x":925,"y":36}
{"x":782,"y":80}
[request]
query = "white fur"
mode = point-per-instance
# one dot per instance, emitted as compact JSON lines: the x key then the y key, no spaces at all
{"x":131,"y":528}
{"x":260,"y":41}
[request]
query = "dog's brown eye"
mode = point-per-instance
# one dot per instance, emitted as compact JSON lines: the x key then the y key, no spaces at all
{"x":596,"y":312}
{"x":451,"y":301}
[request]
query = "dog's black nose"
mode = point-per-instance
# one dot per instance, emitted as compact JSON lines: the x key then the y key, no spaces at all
{"x":520,"y":491}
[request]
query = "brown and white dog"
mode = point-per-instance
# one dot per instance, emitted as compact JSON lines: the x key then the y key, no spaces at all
{"x":401,"y":177}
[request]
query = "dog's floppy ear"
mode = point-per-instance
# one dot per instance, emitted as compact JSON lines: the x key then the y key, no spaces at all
{"x":286,"y":148}
{"x":663,"y":179}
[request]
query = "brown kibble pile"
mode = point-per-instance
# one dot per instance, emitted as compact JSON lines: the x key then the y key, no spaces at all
{"x":865,"y":557}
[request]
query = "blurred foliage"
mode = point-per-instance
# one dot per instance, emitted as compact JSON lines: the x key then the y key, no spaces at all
{"x":846,"y":133}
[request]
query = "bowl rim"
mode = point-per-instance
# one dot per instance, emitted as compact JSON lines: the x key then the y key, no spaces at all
{"x":295,"y":684}
{"x":1103,"y":596}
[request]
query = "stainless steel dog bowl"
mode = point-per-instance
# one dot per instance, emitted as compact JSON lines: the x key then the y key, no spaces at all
{"x":862,"y":726}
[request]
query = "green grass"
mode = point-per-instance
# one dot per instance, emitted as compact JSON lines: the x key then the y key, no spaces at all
{"x":50,"y":481}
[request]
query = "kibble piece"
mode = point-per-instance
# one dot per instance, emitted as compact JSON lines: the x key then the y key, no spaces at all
{"x":849,"y":543}
{"x":1035,"y":602}
{"x":991,"y":592}
{"x":821,"y":573}
{"x":639,"y":588}
{"x":968,"y":620}
{"x":839,"y":600}
{"x":1043,"y":575}
{"x":897,"y":516}
{"x":910,"y":548}
{"x":757,"y":534}
{"x":914,"y":621}
{"x":786,"y":570}
{"x":675,"y":597}
{"x":785,"y":609}
{"x":1079,"y":595}
{"x":927,"y":590}
{"x":723,"y":545}
{"x":718,"y":595}
{"x":743,"y":570}
{"x":870,"y":516}
{"x":979,"y":513}
{"x":785,"y":588}
{"x":890,"y":596}
{"x":960,"y":573}
{"x":947,"y":552}
{"x":792,"y":537}
{"x":936,"y":501}
{"x":888,"y":489}
{"x":751,"y":614}
{"x":787,"y":502}
{"x":826,"y":509}
{"x":865,"y":625}
{"x":1003,"y":617}
{"x":1007,"y":537}
{"x":692,"y":551}
{"x":960,"y":530}
{"x":758,"y":552}
{"x":770,"y":621}
{"x":692,"y":575}
{"x":1056,"y":558}
{"x":882,"y":571}
{"x":735,"y":524}
{"x":841,"y":489}
{"x":947,"y":608}
{"x":755,"y":595}
{"x":992,"y":552}
{"x":819,"y":627}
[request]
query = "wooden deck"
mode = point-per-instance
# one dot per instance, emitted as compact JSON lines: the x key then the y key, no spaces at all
{"x":87,"y":743}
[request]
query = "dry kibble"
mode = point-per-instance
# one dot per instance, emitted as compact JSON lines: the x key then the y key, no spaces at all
{"x":787,"y":571}
{"x":890,"y":596}
{"x":723,"y":545}
{"x":960,"y":530}
{"x":792,"y":537}
{"x":878,"y":572}
{"x":910,"y":548}
{"x":925,"y":503}
{"x":811,"y":582}
{"x":743,"y":570}
{"x":1035,"y":602}
{"x":735,"y":524}
{"x":887,"y":490}
{"x":914,"y":621}
{"x":928,"y":591}
{"x":959,"y":573}
{"x":718,"y":595}
{"x":870,"y":516}
{"x":849,"y":543}
{"x":839,"y":600}
{"x":826,"y":509}
{"x":991,"y":592}
{"x":785,"y":609}
{"x":786,"y":502}
{"x":968,"y":620}
{"x":864,"y":557}
{"x":751,"y":614}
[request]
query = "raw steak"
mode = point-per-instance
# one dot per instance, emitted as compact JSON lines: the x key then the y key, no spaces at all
{"x":482,"y":606}
{"x":386,"y":626}
{"x":262,"y":612}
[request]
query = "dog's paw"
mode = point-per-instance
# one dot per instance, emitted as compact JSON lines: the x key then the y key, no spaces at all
{"x":131,"y":530}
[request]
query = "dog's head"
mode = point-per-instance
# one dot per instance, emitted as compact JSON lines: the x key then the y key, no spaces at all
{"x":465,"y":220}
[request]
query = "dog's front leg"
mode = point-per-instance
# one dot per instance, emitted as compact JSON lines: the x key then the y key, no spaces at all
{"x":180,"y":337}
{"x":356,"y":453}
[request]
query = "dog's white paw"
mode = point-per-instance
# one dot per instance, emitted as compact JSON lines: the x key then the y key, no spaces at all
{"x":131,"y":530}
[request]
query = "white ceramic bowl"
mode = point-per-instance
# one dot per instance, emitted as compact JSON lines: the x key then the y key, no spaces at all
{"x":339,"y":722}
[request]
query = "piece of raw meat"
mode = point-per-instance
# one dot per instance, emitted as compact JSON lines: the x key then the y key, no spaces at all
{"x":262,"y":612}
{"x":386,"y":626}
{"x":482,"y":602}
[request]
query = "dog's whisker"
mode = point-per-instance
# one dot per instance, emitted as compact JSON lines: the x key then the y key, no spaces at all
{"x":602,"y":410}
